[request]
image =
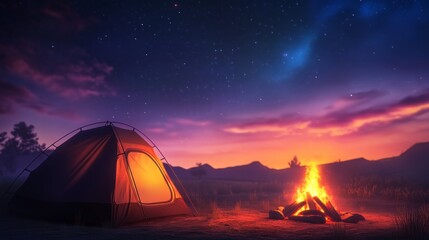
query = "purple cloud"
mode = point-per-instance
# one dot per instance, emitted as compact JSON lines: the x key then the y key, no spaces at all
{"x":69,"y":72}
{"x":340,"y":122}
{"x":12,"y":96}
{"x":69,"y":79}
{"x":347,"y":116}
{"x":423,"y":97}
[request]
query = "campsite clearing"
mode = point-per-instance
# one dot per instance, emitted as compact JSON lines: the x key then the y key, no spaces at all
{"x":226,"y":224}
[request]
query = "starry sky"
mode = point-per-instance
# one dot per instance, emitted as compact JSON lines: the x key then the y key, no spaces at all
{"x":223,"y":82}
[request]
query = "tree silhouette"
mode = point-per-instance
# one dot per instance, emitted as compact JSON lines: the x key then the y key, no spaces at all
{"x":294,"y":162}
{"x":27,"y":139}
{"x":23,"y":141}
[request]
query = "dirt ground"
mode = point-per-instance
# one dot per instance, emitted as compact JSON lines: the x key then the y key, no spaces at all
{"x":225,"y":224}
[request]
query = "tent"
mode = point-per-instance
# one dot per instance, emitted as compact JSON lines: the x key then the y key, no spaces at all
{"x":105,"y":175}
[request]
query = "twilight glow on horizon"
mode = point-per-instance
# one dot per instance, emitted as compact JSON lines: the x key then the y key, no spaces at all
{"x":223,"y":82}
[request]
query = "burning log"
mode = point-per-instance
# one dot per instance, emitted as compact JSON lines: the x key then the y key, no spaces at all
{"x":309,"y":219}
{"x":276,"y":215}
{"x":321,"y":205}
{"x":312,"y":213}
{"x":335,"y":215}
{"x":310,"y":202}
{"x":329,"y":210}
{"x":292,"y":208}
{"x":355,"y":218}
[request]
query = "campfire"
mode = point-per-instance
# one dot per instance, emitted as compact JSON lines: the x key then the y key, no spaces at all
{"x":311,"y":203}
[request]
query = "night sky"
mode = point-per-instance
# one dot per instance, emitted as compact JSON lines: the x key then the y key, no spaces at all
{"x":223,"y":82}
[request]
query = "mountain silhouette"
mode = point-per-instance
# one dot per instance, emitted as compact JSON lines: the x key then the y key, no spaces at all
{"x":418,"y":153}
{"x":411,"y":164}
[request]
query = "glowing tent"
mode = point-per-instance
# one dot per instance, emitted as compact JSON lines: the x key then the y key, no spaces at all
{"x":105,"y":175}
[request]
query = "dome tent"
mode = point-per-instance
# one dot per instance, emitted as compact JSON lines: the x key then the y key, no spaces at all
{"x":104,"y":175}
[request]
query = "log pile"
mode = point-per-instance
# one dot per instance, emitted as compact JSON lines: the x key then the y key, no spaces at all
{"x":317,"y":212}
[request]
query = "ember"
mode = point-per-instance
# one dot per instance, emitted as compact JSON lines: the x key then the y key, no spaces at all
{"x":311,"y":203}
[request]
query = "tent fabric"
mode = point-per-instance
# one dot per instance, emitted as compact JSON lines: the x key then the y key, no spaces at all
{"x":105,"y":175}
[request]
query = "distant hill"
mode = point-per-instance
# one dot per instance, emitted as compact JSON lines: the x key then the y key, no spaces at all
{"x":254,"y":171}
{"x":413,"y":164}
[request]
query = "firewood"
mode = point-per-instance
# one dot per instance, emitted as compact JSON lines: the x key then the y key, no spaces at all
{"x":335,"y":216}
{"x":308,"y":219}
{"x":330,"y":212}
{"x":276,"y":215}
{"x":322,"y":205}
{"x":292,"y":208}
{"x":355,"y":218}
{"x":312,"y":212}
{"x":310,"y":203}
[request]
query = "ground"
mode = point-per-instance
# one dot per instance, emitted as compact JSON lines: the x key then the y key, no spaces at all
{"x":227,"y":210}
{"x":225,"y":224}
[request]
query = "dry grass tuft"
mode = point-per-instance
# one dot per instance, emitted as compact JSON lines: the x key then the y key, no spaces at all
{"x":389,"y":188}
{"x":412,"y":223}
{"x":215,"y":211}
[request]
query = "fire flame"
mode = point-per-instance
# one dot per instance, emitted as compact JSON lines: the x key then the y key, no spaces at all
{"x":311,"y":185}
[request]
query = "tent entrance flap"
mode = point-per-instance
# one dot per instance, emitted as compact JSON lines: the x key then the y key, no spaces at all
{"x":152,"y":186}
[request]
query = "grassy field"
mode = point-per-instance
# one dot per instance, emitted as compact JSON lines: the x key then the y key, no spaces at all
{"x":233,"y":194}
{"x":405,"y":204}
{"x":265,"y":195}
{"x":397,"y":189}
{"x":238,"y":210}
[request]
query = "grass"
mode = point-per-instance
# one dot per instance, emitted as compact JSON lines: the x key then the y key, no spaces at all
{"x":236,"y":195}
{"x":266,"y":195}
{"x":216,"y":199}
{"x":219,"y":199}
{"x":215,"y":211}
{"x":412,"y":223}
{"x":376,"y":187}
{"x":262,"y":196}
